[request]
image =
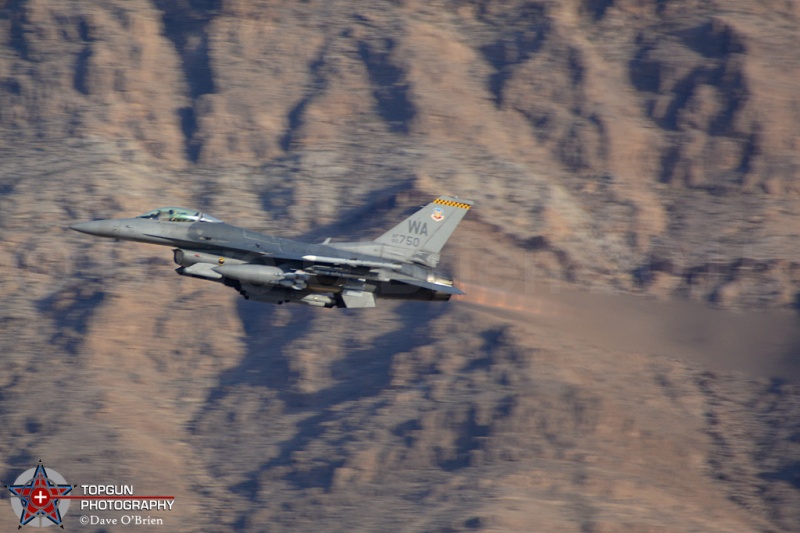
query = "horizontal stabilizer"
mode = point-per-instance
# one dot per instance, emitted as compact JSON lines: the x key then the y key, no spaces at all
{"x":438,"y":287}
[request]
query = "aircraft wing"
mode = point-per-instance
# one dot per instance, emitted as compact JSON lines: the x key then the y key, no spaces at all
{"x":351,"y":262}
{"x":396,"y":276}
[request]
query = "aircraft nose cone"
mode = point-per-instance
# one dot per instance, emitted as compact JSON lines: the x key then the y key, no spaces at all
{"x":101,"y":228}
{"x":83,"y":227}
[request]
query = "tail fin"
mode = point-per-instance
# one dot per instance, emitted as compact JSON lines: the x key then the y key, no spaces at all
{"x":421,"y":236}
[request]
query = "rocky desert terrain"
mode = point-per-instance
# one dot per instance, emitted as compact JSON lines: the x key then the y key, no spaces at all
{"x":627,"y":358}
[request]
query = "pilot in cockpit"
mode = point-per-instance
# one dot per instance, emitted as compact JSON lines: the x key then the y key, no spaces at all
{"x":178,"y":214}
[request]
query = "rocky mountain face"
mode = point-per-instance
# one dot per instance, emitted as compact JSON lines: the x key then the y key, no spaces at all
{"x":617,"y":146}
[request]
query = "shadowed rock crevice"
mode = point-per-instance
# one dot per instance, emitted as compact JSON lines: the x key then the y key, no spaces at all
{"x":597,"y":8}
{"x":18,"y":34}
{"x":735,"y":93}
{"x":185,"y":24}
{"x":713,"y":39}
{"x":81,"y":70}
{"x":789,"y":474}
{"x":72,"y":312}
{"x":643,"y":71}
{"x":516,"y":45}
{"x":296,"y":116}
{"x":80,"y":82}
{"x":390,"y":85}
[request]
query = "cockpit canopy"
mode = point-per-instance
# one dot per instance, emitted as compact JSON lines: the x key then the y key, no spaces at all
{"x":178,"y":214}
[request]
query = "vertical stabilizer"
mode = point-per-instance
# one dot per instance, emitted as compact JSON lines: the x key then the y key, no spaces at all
{"x":421,"y":236}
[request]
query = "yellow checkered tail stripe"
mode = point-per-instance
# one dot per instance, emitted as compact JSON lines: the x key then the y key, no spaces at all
{"x":451,"y":203}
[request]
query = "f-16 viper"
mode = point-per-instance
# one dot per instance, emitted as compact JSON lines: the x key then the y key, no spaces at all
{"x":400,"y":264}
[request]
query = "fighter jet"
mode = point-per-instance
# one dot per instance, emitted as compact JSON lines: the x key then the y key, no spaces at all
{"x":400,"y":264}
